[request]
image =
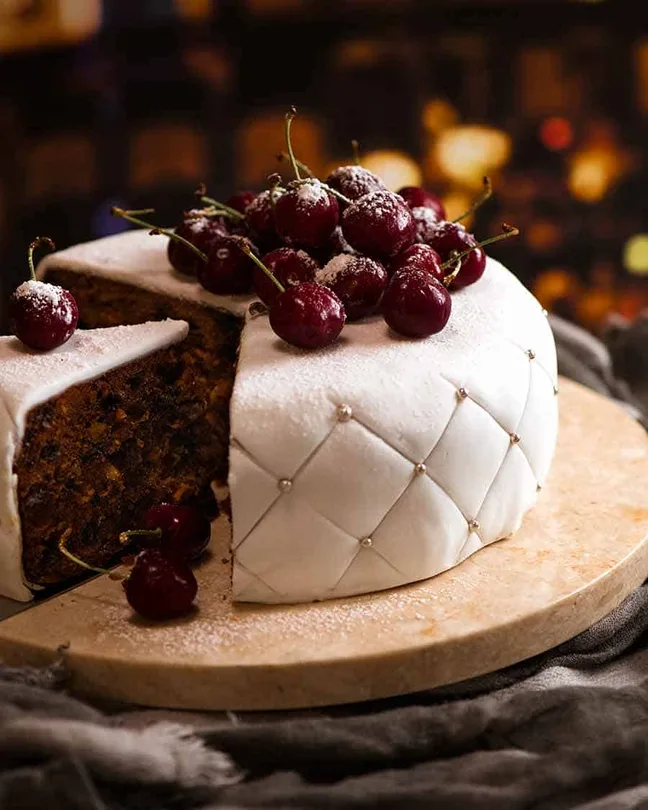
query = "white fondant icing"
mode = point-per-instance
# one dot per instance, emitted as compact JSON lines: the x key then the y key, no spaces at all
{"x":356,"y":478}
{"x":135,"y":257}
{"x":347,"y":426}
{"x":30,"y":378}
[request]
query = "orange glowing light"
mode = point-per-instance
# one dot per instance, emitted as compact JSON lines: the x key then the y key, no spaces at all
{"x":557,"y":134}
{"x":466,"y":153}
{"x":438,"y":115}
{"x":592,"y":172}
{"x":555,"y":285}
{"x":396,"y":169}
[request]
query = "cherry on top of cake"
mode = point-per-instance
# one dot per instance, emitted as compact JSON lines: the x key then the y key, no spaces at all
{"x":301,"y":231}
{"x":43,"y":316}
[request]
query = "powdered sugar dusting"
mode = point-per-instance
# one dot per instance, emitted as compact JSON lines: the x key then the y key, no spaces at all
{"x":383,"y":204}
{"x":355,"y":181}
{"x":199,"y":224}
{"x":221,"y":628}
{"x":262,"y":201}
{"x":426,"y":221}
{"x":40,"y":292}
{"x":334,"y":268}
{"x":29,"y":378}
{"x":311,"y":193}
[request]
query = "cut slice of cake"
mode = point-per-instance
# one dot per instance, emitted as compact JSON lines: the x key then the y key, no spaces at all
{"x":92,"y":434}
{"x":376,"y":462}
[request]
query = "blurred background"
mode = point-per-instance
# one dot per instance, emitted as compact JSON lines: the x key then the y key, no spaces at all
{"x":134,"y":102}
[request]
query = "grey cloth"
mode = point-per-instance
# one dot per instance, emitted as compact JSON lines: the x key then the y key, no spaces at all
{"x":566,"y":729}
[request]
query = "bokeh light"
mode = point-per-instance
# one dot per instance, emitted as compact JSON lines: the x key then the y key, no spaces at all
{"x":438,"y":115}
{"x":466,"y":153}
{"x":635,"y":254}
{"x":397,"y":169}
{"x":591,"y":173}
{"x":556,"y":133}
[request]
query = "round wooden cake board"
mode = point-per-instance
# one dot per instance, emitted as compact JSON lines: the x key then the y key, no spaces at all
{"x":579,"y":553}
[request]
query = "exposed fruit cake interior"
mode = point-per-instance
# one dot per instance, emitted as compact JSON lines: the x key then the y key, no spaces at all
{"x":93,"y":435}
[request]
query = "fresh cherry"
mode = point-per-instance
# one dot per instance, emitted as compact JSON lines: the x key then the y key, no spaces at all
{"x":418,"y":257}
{"x":307,"y":214}
{"x":458,"y":247}
{"x":354,"y":182}
{"x":200,"y":231}
{"x":160,"y":586}
{"x":288,"y":266}
{"x":180,"y":260}
{"x":452,"y":236}
{"x":359,"y":282}
{"x":240,"y":200}
{"x":417,"y":197}
{"x":42,"y":316}
{"x":260,"y":216}
{"x":425,"y":220}
{"x":228,"y":270}
{"x":379,"y":224}
{"x":416,"y":304}
{"x":174,"y":528}
{"x":309,"y":316}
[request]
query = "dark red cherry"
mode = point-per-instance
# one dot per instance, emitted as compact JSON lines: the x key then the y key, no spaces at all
{"x":417,"y":197}
{"x":288,"y":266}
{"x":338,"y":244}
{"x":418,"y":257}
{"x":309,"y":316}
{"x":228,"y":270}
{"x":43,"y":316}
{"x":452,"y":236}
{"x":379,"y":224}
{"x":425,"y":220}
{"x":185,"y":530}
{"x":307,"y":214}
{"x":200,"y":231}
{"x":359,"y":282}
{"x":354,"y":182}
{"x":160,"y":586}
{"x":260,"y":216}
{"x":240,"y":200}
{"x":416,"y":304}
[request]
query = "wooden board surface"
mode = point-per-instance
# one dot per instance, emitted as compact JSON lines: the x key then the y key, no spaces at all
{"x":579,"y":553}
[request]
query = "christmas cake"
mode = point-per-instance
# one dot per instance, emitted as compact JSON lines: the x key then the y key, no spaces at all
{"x":377,"y":461}
{"x":372,"y":397}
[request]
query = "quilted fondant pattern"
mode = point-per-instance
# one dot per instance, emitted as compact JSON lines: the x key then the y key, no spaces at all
{"x":386,"y":461}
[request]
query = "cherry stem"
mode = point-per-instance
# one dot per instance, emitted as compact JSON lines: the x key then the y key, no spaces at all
{"x":293,"y":162}
{"x":356,"y":152}
{"x":222,"y":208}
{"x":66,"y":552}
{"x":447,"y":280}
{"x":125,"y":537}
{"x":486,"y":193}
{"x":246,"y":249}
{"x":155,"y":230}
{"x":40,"y":240}
{"x":457,"y":258}
{"x":302,"y":166}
